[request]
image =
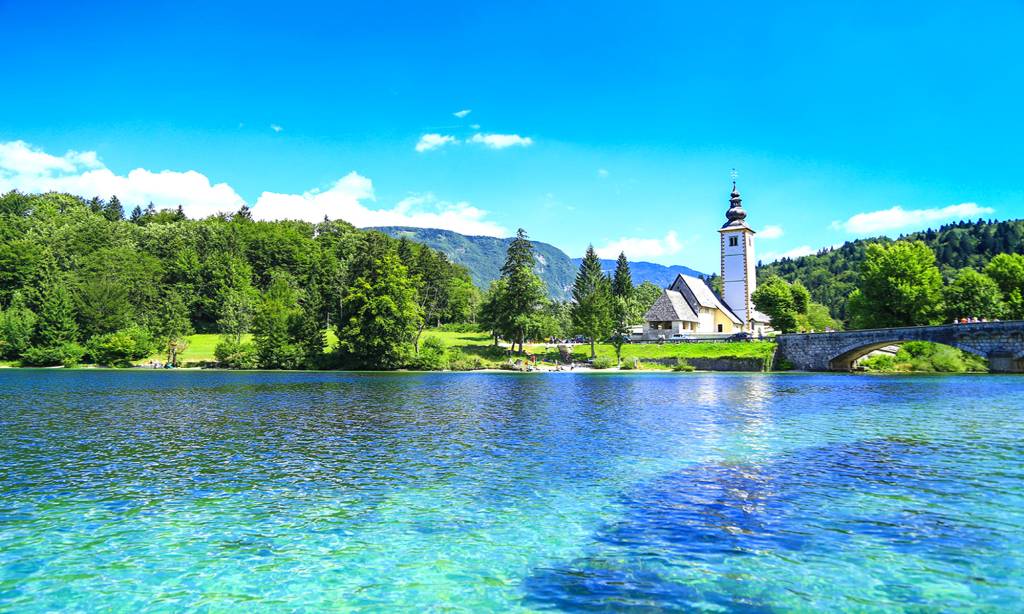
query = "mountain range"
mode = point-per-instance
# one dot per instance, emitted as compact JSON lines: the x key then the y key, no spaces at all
{"x":483,"y":256}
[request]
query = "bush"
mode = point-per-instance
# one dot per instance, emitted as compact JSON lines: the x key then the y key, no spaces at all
{"x":602,"y":362}
{"x":630,"y":365}
{"x":683,"y":366}
{"x":460,"y":361}
{"x":921,"y":356}
{"x":68,"y":355}
{"x":432,"y":355}
{"x":232,"y":354}
{"x":120,"y":348}
{"x":16,"y":326}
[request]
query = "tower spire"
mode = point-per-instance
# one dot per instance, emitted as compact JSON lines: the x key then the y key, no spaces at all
{"x":736,"y":215}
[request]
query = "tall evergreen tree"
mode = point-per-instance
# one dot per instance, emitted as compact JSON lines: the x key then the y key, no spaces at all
{"x":523,"y":293}
{"x":56,"y":325}
{"x":113,"y":210}
{"x":592,"y":292}
{"x":622,"y":283}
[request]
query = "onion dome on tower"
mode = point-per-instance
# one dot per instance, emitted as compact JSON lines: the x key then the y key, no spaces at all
{"x":736,"y":214}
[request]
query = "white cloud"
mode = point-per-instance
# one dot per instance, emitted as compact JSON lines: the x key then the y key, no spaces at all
{"x":642,"y":249}
{"x":770,"y":232}
{"x":475,"y":126}
{"x":796,"y":252}
{"x":602,"y":172}
{"x":501,"y":141}
{"x":898,"y":218}
{"x":344,"y":201}
{"x":433,"y":141}
{"x":28,"y":169}
{"x":462,"y":113}
{"x":276,"y":128}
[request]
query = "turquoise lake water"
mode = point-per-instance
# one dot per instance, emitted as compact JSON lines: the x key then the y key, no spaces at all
{"x":159,"y":491}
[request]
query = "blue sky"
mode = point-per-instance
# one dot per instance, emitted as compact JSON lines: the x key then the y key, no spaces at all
{"x":588,"y":122}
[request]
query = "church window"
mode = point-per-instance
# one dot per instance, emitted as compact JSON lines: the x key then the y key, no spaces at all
{"x":733,"y":242}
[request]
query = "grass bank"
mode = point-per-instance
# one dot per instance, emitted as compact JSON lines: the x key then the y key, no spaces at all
{"x":482,"y":346}
{"x":479,"y":345}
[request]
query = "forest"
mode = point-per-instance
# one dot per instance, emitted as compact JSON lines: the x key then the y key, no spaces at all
{"x":79,"y":282}
{"x":832,"y":275}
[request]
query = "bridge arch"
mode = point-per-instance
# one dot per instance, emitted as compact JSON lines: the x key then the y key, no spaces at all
{"x":1001,"y":343}
{"x":847,"y":358}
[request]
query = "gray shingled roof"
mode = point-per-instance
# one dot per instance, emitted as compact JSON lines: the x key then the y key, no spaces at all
{"x":703,"y":295}
{"x":669,"y":307}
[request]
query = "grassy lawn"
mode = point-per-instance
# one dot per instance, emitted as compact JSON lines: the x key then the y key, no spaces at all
{"x":480,"y":344}
{"x":200,"y":348}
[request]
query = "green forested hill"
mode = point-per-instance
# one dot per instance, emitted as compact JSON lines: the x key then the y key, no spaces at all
{"x":832,"y":274}
{"x":483,"y":256}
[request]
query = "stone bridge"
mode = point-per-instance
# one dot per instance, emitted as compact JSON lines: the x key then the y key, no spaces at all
{"x":1001,"y":343}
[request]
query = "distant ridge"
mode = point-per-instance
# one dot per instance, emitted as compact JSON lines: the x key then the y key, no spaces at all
{"x":483,"y":256}
{"x":658,"y":274}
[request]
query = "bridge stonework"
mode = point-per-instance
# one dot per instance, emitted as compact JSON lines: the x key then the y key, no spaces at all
{"x":1001,"y":343}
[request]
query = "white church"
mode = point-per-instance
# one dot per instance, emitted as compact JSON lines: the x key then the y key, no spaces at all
{"x":689,"y":308}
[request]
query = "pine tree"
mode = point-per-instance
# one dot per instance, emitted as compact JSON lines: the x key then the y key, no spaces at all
{"x":56,"y":325}
{"x":113,"y":210}
{"x":518,"y":255}
{"x":622,"y":284}
{"x":592,"y":291}
{"x":523,"y":292}
{"x":136,"y":215}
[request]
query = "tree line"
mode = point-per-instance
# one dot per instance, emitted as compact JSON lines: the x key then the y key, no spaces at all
{"x":79,"y":281}
{"x":902,"y":283}
{"x":832,"y":275}
{"x":603,"y":307}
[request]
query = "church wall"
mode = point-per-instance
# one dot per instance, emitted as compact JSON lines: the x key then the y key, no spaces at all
{"x":728,"y":325}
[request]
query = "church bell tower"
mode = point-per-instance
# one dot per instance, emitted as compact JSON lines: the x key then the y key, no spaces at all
{"x":739,"y":277}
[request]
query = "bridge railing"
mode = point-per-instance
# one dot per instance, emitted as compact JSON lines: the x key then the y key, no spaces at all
{"x":951,"y":326}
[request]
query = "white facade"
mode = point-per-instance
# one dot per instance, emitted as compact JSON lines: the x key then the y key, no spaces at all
{"x":739,"y":276}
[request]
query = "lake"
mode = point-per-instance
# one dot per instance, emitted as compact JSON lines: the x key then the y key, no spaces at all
{"x":313,"y":491}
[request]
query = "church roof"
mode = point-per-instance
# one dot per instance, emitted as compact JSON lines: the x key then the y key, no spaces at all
{"x":669,"y":307}
{"x":698,"y":294}
{"x":757,"y":316}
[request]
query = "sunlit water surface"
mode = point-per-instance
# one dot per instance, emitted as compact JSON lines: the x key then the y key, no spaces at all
{"x":306,"y":491}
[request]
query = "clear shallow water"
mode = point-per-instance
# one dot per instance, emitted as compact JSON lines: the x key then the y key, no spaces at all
{"x":270,"y":491}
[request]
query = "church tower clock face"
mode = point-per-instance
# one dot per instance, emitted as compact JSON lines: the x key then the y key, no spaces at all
{"x":738,"y":273}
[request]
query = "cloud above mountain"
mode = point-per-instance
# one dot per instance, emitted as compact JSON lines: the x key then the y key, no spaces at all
{"x":637,"y":248}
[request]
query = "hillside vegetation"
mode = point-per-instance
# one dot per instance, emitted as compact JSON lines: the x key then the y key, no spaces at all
{"x":832,"y":275}
{"x":484,"y":256}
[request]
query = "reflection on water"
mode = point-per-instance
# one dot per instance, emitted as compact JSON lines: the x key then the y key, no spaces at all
{"x":581,"y":492}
